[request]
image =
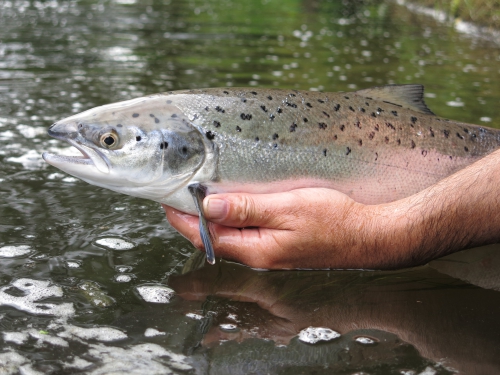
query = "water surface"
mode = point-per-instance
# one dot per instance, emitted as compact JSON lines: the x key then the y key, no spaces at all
{"x":95,"y":282}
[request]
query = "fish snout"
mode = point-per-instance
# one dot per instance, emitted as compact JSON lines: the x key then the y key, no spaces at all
{"x":64,"y":130}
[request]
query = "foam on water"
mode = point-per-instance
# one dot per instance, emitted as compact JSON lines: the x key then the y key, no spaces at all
{"x":228,"y":327}
{"x":31,"y":160}
{"x":14,"y":251}
{"x":151,"y":332}
{"x":155,"y":293}
{"x":312,"y":335}
{"x":33,"y":291}
{"x":104,"y":334}
{"x":115,"y":243}
{"x":123,"y":278}
{"x":194,"y":316}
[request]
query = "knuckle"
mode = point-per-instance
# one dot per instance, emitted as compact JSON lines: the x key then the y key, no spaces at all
{"x":244,"y":210}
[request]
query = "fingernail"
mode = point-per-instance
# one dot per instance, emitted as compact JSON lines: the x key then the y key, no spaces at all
{"x":216,"y":208}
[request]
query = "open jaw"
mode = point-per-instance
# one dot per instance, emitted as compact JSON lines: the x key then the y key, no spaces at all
{"x":78,"y":165}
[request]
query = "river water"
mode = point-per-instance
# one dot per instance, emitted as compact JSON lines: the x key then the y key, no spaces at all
{"x":95,"y":282}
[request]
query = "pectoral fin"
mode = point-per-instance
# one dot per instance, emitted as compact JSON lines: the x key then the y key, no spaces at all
{"x":198,"y":192}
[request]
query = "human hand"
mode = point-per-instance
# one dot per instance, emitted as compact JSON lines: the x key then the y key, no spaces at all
{"x":303,"y":228}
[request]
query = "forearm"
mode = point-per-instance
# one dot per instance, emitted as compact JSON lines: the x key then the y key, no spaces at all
{"x":459,"y":212}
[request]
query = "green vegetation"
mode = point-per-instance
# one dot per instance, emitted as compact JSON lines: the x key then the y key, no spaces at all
{"x":483,"y":12}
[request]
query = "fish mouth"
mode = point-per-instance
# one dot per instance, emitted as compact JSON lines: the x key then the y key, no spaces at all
{"x":74,"y":164}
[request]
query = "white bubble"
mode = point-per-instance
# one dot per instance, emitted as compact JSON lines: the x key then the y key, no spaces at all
{"x":365,"y":340}
{"x":73,"y":264}
{"x":123,"y":278}
{"x":228,"y":327}
{"x":312,"y":335}
{"x":151,"y":332}
{"x":155,"y":293}
{"x":455,"y":103}
{"x":485,"y":119}
{"x":14,"y":251}
{"x":115,"y":243}
{"x":194,"y":316}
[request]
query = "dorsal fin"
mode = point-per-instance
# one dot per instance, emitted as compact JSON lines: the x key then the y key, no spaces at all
{"x":406,"y":96}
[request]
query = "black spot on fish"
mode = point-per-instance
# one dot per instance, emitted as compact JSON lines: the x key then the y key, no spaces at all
{"x":135,"y":115}
{"x":482,"y":130}
{"x":238,"y":129}
{"x":360,"y":142}
{"x":292,"y":95}
{"x":326,"y":114}
{"x":376,"y":156}
{"x":321,"y":101}
{"x":151,"y":115}
{"x":446,"y":133}
{"x":399,"y":141}
{"x":342,"y":127}
{"x":275,"y":136}
{"x":157,"y":120}
{"x":390,"y":126}
{"x":357,"y":124}
{"x":413,"y":119}
{"x":246,"y":116}
{"x":380,"y":110}
{"x":335,"y":137}
{"x":184,"y":150}
{"x":362,"y":110}
{"x":279,"y":110}
{"x":217,"y":124}
{"x":373,"y":114}
{"x":219,"y":109}
{"x":424,"y":153}
{"x":270,"y":97}
{"x":206,"y":108}
{"x":305,"y":119}
{"x":293,"y":105}
{"x":169,"y":102}
{"x":253,"y":92}
{"x":243,"y":100}
{"x":275,"y":145}
{"x":293,"y":127}
{"x":174,"y":115}
{"x":225,"y":92}
{"x":395,"y":113}
{"x":371,"y":135}
{"x":466,"y":130}
{"x":324,"y":152}
{"x":337,"y":107}
{"x":367,"y":104}
{"x":346,"y":97}
{"x":460,"y":136}
{"x":118,"y":126}
{"x":413,"y":145}
{"x":309,"y":105}
{"x":348,"y":151}
{"x":210,"y":135}
{"x":376,"y":127}
{"x":386,"y":139}
{"x":352,"y":109}
{"x":431,"y":132}
{"x":138,"y":138}
{"x":263,"y":108}
{"x":271,"y":117}
{"x":322,"y":125}
{"x":466,"y":149}
{"x":257,"y":139}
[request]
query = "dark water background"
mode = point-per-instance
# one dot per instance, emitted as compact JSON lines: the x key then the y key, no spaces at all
{"x":62,"y":57}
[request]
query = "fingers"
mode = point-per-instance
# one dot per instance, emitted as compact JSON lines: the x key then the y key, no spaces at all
{"x":250,"y":210}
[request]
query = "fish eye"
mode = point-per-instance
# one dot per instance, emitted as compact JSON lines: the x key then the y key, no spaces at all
{"x":109,"y":140}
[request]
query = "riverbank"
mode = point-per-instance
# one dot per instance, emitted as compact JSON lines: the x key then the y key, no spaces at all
{"x":481,"y":12}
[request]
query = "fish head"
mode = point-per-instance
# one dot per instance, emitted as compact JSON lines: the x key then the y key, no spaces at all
{"x":143,"y":147}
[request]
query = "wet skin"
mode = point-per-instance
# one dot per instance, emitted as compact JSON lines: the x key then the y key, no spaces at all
{"x":322,"y":228}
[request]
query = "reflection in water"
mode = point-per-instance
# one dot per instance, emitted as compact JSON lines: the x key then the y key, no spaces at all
{"x":445,"y":319}
{"x":92,"y":251}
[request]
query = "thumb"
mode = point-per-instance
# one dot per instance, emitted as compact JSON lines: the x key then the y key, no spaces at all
{"x":245,"y":210}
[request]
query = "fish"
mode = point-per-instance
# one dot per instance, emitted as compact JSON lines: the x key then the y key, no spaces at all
{"x":376,"y":145}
